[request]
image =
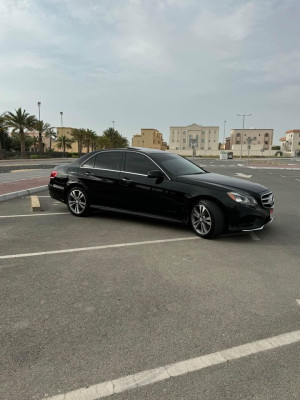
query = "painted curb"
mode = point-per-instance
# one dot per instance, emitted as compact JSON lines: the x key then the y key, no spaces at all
{"x":22,"y":193}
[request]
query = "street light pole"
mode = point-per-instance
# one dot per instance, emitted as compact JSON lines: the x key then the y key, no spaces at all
{"x":224,"y":135}
{"x":61,"y":118}
{"x":242,"y":115}
{"x":113,"y":124}
{"x":39,"y":106}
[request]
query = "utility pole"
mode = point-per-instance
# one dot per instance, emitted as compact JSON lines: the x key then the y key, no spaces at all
{"x":224,"y":135}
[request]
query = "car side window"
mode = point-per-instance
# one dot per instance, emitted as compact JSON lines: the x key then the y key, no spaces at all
{"x":108,"y":160}
{"x":139,"y":164}
{"x":89,"y":163}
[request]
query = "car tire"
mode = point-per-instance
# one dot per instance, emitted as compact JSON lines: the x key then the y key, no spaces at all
{"x":207,"y":219}
{"x":78,"y":202}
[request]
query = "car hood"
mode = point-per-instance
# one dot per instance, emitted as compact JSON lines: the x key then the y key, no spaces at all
{"x":222,"y":181}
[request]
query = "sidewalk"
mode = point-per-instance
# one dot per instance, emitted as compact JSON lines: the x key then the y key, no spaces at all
{"x":23,"y":183}
{"x":20,"y":177}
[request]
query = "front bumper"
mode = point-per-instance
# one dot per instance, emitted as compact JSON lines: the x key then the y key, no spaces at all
{"x":249,"y":219}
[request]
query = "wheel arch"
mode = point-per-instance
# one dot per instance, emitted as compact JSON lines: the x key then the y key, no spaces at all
{"x":195,"y":199}
{"x":71,"y":185}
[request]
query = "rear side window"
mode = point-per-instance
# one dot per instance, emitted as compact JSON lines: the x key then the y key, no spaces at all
{"x":89,"y":163}
{"x":139,"y":164}
{"x":109,"y":160}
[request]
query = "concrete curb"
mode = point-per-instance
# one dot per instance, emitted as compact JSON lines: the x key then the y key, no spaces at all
{"x":22,"y":193}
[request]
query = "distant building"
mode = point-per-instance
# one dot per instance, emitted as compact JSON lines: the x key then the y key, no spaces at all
{"x":35,"y":146}
{"x":291,"y":142}
{"x":260,"y":139}
{"x":150,"y":138}
{"x":227,"y":143}
{"x":67,"y":131}
{"x":194,"y":137}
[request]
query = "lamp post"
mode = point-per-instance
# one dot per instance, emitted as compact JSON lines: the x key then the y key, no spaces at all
{"x":113,"y":124}
{"x":242,"y":115}
{"x":224,"y":136}
{"x":39,"y":106}
{"x":61,"y":118}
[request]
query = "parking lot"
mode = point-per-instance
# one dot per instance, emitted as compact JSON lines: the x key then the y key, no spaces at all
{"x":91,"y":306}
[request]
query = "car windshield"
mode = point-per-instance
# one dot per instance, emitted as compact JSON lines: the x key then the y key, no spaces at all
{"x":176,"y":165}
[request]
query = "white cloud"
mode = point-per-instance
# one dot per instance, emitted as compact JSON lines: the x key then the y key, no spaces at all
{"x":230,"y":27}
{"x":282,"y":67}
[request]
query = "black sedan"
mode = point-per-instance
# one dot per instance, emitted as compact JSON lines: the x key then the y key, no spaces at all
{"x":161,"y":185}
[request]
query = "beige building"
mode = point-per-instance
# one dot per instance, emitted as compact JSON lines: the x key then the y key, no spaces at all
{"x":65,"y":131}
{"x":35,"y":146}
{"x":150,"y":138}
{"x":291,"y":142}
{"x":259,"y":138}
{"x":194,"y":137}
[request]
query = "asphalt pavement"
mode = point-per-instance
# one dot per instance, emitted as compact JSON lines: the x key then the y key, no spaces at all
{"x":102,"y":306}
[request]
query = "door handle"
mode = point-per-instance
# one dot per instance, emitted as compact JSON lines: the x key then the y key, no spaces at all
{"x":126,"y":180}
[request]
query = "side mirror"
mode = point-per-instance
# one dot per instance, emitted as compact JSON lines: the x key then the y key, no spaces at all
{"x":156,"y":174}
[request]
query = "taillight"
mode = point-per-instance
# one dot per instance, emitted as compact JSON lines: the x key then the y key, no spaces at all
{"x":53,"y":174}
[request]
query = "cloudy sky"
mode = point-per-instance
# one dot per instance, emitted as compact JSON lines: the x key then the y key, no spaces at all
{"x":152,"y":63}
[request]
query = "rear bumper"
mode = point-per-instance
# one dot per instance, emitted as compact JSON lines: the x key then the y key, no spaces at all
{"x":56,"y":192}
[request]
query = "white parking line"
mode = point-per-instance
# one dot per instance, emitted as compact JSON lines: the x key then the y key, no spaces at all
{"x":151,"y":376}
{"x":254,"y":236}
{"x":109,"y":246}
{"x":33,"y":215}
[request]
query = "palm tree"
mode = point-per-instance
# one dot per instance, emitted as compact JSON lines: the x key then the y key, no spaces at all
{"x":42,"y":128}
{"x":89,"y":139}
{"x":101,"y":143}
{"x":35,"y":143}
{"x":64,"y":142}
{"x":78,"y":135}
{"x":114,"y":138}
{"x":20,"y":121}
{"x":51,"y":135}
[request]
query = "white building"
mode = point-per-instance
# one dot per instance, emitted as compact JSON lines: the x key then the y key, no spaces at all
{"x":195,"y":137}
{"x":291,"y":142}
{"x":258,"y":139}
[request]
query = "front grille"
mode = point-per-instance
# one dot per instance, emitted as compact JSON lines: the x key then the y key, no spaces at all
{"x":267,"y":200}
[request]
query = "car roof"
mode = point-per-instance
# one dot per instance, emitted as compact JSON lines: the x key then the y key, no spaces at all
{"x":145,"y":149}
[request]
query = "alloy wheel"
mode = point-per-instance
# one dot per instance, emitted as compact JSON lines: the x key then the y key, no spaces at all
{"x":77,"y":201}
{"x":201,"y":219}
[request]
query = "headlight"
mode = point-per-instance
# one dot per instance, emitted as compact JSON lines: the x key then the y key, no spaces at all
{"x":239,"y":198}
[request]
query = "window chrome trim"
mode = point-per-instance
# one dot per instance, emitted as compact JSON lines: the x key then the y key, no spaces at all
{"x":115,"y":170}
{"x":133,"y":173}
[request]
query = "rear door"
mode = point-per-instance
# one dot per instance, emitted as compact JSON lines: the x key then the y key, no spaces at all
{"x":101,"y":177}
